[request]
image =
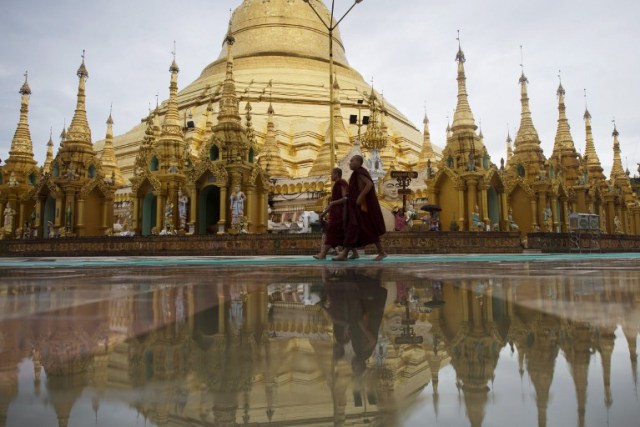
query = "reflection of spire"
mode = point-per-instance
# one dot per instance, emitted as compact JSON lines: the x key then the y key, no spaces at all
{"x":606,"y":342}
{"x":631,"y":337}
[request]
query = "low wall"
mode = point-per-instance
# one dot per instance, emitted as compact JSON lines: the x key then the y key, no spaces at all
{"x":257,"y":244}
{"x":583,"y":242}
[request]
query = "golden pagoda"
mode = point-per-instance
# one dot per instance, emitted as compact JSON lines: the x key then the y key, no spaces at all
{"x":75,"y":198}
{"x":293,"y":78}
{"x":19,"y":175}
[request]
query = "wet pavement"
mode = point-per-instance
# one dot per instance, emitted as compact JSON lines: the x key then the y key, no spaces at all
{"x":472,"y":340}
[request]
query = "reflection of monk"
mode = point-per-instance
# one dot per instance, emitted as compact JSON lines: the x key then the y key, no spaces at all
{"x":355,"y":301}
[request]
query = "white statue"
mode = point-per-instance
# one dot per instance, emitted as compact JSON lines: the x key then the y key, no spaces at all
{"x":547,"y":218}
{"x":617,"y":225}
{"x":236,"y":204}
{"x":512,"y":225}
{"x":182,"y":209}
{"x":8,"y":213}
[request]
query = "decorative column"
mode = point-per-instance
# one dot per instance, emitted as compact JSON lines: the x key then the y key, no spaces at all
{"x":461,"y":213}
{"x":22,"y":217}
{"x":192,"y":209}
{"x":80,"y":219}
{"x":37,"y":222}
{"x":555,"y":214}
{"x":485,"y":205}
{"x":59,"y":213}
{"x":534,"y":215}
{"x":223,"y":209}
{"x":565,"y":216}
{"x":159,"y":211}
{"x":105,"y":214}
{"x":472,"y":197}
{"x":262,"y":213}
{"x":504,"y":211}
{"x":251,"y":210}
{"x":135,"y":211}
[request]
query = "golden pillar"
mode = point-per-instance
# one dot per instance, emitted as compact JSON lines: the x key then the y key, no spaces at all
{"x":105,"y":213}
{"x":58,"y":218}
{"x":80,"y":219}
{"x":485,"y":205}
{"x":2,"y":206}
{"x":555,"y":214}
{"x":223,"y":209}
{"x":22,"y":216}
{"x":251,"y":210}
{"x":534,"y":214}
{"x":472,"y":198}
{"x":565,"y":215}
{"x":37,"y":223}
{"x":135,"y":211}
{"x":159,"y":211}
{"x":461,"y":213}
{"x":504,"y":211}
{"x":262,"y":213}
{"x":192,"y":208}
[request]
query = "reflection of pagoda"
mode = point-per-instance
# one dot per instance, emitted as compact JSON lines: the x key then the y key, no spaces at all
{"x":475,"y":332}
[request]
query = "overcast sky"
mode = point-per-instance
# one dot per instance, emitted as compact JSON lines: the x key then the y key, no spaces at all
{"x":407,"y":46}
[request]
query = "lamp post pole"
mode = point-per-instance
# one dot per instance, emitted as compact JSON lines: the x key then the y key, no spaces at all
{"x":330,"y":27}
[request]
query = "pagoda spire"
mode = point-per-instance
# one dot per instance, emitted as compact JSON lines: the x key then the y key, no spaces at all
{"x":21,"y":145}
{"x":47,"y":162}
{"x":527,"y":135}
{"x":509,"y":150}
{"x":563,"y":140}
{"x":79,"y":132}
{"x":617,"y":171}
{"x":271,"y":160}
{"x":591,"y":160}
{"x":109,"y":164}
{"x":427,"y":148}
{"x":463,"y":117}
{"x":229,"y":110}
{"x":171,"y":123}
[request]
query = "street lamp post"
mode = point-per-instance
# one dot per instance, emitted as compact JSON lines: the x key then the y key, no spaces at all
{"x":330,"y":27}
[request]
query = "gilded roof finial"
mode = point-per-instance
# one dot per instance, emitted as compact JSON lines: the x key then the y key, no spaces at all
{"x":615,"y":129}
{"x":425,"y":120}
{"x":82,"y":70}
{"x":523,"y":78}
{"x":110,"y":119}
{"x":561,"y":91}
{"x":587,"y":115}
{"x":25,"y":89}
{"x":174,"y":67}
{"x":460,"y":55}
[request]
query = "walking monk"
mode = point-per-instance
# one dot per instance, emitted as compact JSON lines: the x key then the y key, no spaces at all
{"x":334,"y":232}
{"x":365,"y":223}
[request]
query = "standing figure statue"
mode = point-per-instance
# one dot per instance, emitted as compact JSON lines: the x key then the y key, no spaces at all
{"x":168,"y":218}
{"x":182,"y":210}
{"x":547,"y":219}
{"x":8,"y":213}
{"x":512,"y":225}
{"x":236,"y":204}
{"x":617,"y":225}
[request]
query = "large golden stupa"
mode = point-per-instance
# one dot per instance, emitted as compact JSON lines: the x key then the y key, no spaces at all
{"x":281,"y":58}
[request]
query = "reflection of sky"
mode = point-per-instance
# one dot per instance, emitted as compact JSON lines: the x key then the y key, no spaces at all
{"x":30,"y":410}
{"x":512,"y":398}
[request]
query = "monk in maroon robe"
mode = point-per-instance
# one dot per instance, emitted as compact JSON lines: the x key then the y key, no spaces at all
{"x":364,"y":224}
{"x":334,"y":228}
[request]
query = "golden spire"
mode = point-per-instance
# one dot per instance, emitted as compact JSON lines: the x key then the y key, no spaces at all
{"x":109,"y":164}
{"x":63,"y":134}
{"x":79,"y":132}
{"x":47,"y":162}
{"x":21,"y":145}
{"x":171,"y":125}
{"x":527,"y":136}
{"x":271,"y":160}
{"x":564,"y":140}
{"x":229,"y":111}
{"x":463,"y":117}
{"x":617,"y":171}
{"x":590,"y":159}
{"x":427,"y":149}
{"x":251,"y":135}
{"x":509,"y":150}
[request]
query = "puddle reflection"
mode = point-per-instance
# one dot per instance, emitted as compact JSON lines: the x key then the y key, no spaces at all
{"x":321,"y":346}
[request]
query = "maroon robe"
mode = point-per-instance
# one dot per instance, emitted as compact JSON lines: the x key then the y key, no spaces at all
{"x":334,"y":233}
{"x":365,"y":223}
